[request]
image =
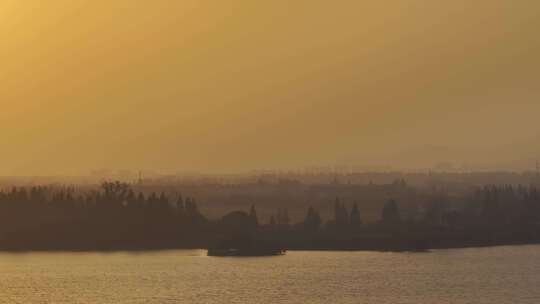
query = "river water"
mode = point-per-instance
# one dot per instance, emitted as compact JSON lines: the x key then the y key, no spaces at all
{"x":480,"y":275}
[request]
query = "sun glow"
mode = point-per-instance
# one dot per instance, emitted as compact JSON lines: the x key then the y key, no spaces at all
{"x":330,"y":83}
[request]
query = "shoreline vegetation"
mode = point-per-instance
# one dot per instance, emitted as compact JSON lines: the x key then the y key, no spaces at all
{"x":314,"y":249}
{"x":116,"y":218}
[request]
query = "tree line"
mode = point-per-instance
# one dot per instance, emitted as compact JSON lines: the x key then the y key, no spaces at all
{"x":116,"y":217}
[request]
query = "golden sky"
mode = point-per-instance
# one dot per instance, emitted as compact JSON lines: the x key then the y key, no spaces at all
{"x":223,"y":86}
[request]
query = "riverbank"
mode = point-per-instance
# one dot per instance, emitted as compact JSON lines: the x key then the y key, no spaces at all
{"x":388,"y":246}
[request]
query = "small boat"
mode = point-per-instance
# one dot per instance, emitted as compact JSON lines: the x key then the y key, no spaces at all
{"x":246,"y":248}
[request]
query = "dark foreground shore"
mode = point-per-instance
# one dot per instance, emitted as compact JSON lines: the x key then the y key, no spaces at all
{"x":360,"y":244}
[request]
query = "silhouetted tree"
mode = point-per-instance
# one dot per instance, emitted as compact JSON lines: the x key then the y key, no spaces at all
{"x":355,"y":219}
{"x":272,"y":222}
{"x":390,"y":213}
{"x":340,"y":214}
{"x":313,"y":220}
{"x":253,"y":216}
{"x":180,"y":205}
{"x":236,"y":223}
{"x":435,"y":211}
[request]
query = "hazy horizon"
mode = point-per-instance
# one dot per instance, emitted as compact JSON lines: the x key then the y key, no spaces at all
{"x":240,"y":85}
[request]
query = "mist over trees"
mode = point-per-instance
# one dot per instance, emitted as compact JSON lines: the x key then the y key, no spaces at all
{"x":115,"y":216}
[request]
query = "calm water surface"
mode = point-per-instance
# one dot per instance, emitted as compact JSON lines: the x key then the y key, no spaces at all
{"x":485,"y":275}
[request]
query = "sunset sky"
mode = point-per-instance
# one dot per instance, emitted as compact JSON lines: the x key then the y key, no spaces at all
{"x":228,"y":86}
